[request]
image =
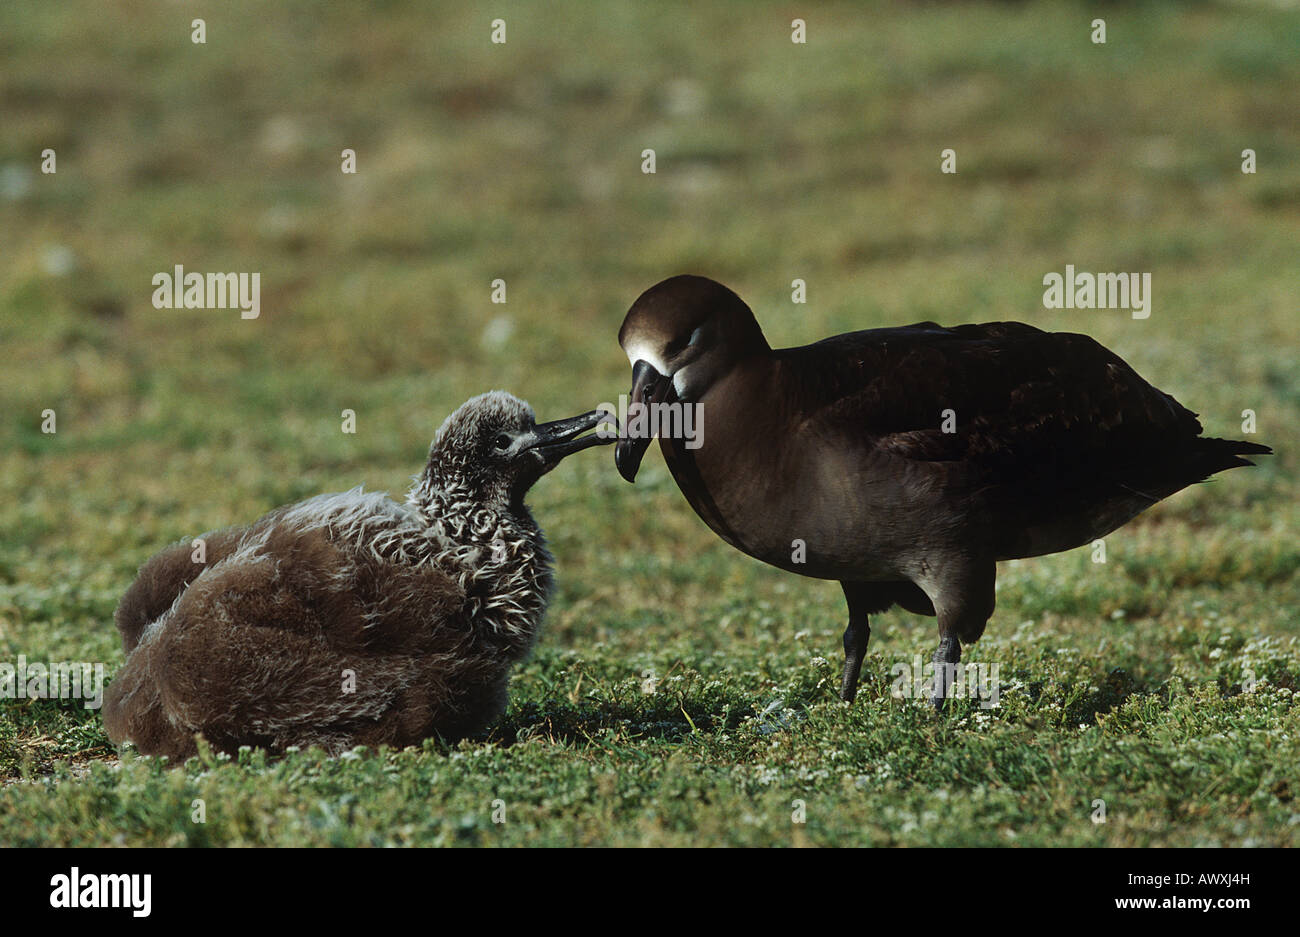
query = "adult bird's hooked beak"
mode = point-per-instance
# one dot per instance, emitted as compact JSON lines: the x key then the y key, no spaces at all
{"x":553,"y":441}
{"x":648,"y":387}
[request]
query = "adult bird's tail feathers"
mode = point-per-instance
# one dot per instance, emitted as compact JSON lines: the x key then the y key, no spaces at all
{"x":1216,"y":455}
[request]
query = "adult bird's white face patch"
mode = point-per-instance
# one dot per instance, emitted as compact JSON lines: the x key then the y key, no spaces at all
{"x":642,"y":351}
{"x":681,"y":383}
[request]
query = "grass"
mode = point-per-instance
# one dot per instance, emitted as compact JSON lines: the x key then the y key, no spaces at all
{"x":1124,"y":682}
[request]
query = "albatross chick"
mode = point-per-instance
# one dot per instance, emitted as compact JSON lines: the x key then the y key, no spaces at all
{"x":905,"y":462}
{"x":350,"y":619}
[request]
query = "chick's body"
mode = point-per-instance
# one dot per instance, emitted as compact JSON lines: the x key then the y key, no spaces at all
{"x":347,"y":619}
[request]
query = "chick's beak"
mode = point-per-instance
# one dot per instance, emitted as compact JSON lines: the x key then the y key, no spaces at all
{"x":648,"y":387}
{"x":553,"y":441}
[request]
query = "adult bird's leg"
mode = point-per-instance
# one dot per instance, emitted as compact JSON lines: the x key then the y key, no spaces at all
{"x":946,"y":658}
{"x":856,"y":636}
{"x":963,"y":600}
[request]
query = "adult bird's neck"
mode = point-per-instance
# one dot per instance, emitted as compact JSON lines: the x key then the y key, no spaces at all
{"x":723,"y":472}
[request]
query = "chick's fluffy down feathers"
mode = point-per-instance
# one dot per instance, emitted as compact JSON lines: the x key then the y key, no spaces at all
{"x":344,"y":620}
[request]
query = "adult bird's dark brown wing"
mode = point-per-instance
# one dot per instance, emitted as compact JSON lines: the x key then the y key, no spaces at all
{"x":1035,"y":418}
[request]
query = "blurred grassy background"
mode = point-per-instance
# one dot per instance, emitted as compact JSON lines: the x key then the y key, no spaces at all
{"x":775,"y":161}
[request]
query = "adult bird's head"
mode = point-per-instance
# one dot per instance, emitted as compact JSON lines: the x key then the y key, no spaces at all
{"x":492,"y":449}
{"x":681,"y":336}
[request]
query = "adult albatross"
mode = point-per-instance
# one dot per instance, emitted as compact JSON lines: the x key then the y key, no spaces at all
{"x":905,"y":462}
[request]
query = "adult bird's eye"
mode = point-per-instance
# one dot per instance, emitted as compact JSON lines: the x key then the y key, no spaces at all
{"x":680,"y":344}
{"x":502,"y":442}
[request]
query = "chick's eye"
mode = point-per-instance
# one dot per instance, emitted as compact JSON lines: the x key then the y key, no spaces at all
{"x":502,"y":442}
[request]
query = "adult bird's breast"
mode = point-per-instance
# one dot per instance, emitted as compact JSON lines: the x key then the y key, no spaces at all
{"x":783,"y":492}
